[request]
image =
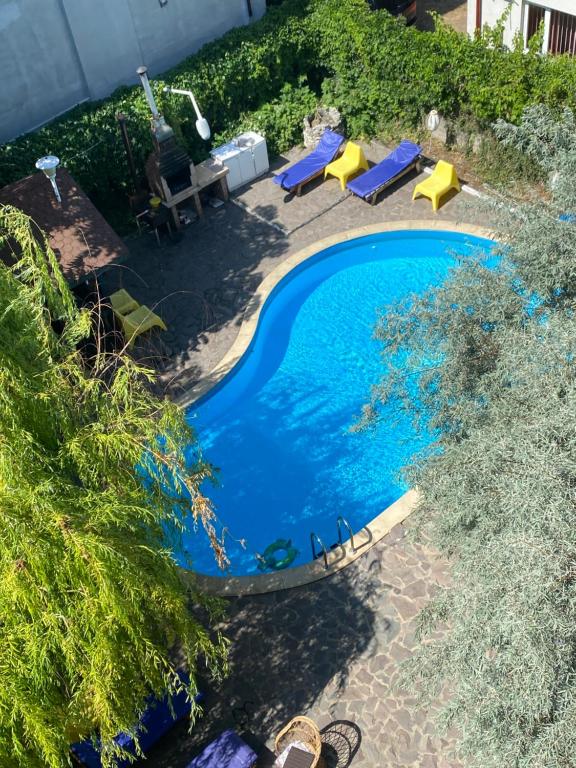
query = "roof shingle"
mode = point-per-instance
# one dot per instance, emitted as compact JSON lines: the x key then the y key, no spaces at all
{"x":82,"y":239}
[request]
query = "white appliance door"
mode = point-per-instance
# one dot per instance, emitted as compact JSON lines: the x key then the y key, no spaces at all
{"x":246,"y":162}
{"x":229,"y":155}
{"x":257,"y":144}
{"x":260,"y":152}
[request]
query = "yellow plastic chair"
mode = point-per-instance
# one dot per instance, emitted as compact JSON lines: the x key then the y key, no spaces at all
{"x":139,"y":321}
{"x":348,"y":165}
{"x":122,"y":303}
{"x":442,"y":180}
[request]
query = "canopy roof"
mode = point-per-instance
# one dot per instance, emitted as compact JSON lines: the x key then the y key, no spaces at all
{"x":82,"y":239}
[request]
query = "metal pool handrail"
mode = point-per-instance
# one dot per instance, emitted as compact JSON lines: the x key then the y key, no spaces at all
{"x":313,"y":537}
{"x":341,"y":521}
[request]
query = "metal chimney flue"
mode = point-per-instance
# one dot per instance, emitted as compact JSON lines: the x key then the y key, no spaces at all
{"x":169,"y":169}
{"x":161,"y":130}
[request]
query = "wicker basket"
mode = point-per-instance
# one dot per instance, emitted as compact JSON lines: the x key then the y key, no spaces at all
{"x":304,"y":730}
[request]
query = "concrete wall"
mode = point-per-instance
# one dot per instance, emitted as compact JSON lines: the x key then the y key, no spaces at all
{"x":56,"y":53}
{"x":492,"y":10}
{"x":40,"y":71}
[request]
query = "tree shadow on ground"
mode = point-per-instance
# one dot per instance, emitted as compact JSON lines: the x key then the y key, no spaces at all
{"x":197,"y":285}
{"x":287,"y":648}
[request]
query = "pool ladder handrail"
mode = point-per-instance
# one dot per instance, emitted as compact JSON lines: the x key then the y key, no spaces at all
{"x":341,"y":521}
{"x":313,"y":537}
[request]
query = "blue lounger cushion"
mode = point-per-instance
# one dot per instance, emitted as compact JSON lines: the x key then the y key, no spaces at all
{"x":156,"y":721}
{"x":395,"y":164}
{"x":311,"y":165}
{"x":227,"y":751}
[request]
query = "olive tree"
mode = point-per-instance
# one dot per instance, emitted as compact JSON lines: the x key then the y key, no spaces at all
{"x":487,"y":362}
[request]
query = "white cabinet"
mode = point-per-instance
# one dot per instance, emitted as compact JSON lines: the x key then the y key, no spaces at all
{"x":229,"y":155}
{"x":246,"y":157}
{"x":256,"y":145}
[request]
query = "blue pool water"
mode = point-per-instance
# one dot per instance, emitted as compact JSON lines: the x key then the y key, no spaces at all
{"x":278,"y":427}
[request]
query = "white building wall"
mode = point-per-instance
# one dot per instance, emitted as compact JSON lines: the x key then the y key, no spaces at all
{"x":492,"y":11}
{"x":57,"y":53}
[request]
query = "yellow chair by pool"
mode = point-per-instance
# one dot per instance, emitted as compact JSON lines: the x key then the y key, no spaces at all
{"x":442,"y":180}
{"x":139,"y":321}
{"x":348,"y":165}
{"x":122,"y":303}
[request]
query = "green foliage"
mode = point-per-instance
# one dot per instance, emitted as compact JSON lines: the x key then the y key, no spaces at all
{"x":498,"y":484}
{"x":235,"y":74}
{"x":91,"y":599}
{"x":367,"y":63}
{"x":541,"y":135}
{"x":280,"y":121}
{"x":505,"y":166}
{"x":379,"y":69}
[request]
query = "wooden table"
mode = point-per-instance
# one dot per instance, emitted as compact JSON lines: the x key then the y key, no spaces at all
{"x":212,"y":173}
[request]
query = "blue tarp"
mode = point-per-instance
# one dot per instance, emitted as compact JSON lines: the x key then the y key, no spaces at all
{"x":312,"y":164}
{"x":405,"y":154}
{"x":155,"y":722}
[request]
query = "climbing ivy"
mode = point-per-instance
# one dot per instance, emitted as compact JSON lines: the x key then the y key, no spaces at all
{"x":367,"y":63}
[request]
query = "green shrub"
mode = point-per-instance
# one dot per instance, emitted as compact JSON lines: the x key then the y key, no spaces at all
{"x":280,"y":121}
{"x":488,"y":365}
{"x":231,"y":76}
{"x":507,"y":167}
{"x":367,"y":63}
{"x":380,"y":70}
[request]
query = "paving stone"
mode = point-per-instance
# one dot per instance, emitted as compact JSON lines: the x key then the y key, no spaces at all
{"x":416,"y":589}
{"x":399,"y":653}
{"x":403,"y":718}
{"x":333,"y":649}
{"x":406,"y":607}
{"x":202,"y":283}
{"x":292,"y":653}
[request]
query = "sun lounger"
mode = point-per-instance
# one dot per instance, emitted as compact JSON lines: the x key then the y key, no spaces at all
{"x":159,"y":716}
{"x":311,"y":166}
{"x":227,"y":751}
{"x":401,"y":160}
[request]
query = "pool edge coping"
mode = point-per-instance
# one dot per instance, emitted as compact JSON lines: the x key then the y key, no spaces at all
{"x":395,"y":513}
{"x":253,"y":309}
{"x":338,"y":558}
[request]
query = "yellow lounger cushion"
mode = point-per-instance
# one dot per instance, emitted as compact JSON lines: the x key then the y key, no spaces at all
{"x":140,"y":321}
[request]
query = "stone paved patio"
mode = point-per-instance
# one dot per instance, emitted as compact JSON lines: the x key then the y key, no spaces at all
{"x":332,"y":649}
{"x":201,"y":284}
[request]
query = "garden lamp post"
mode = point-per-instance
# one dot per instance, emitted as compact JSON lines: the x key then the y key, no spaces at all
{"x":48,"y":165}
{"x":201,"y":123}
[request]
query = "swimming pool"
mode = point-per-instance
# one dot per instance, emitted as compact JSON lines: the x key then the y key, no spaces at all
{"x":278,"y":426}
